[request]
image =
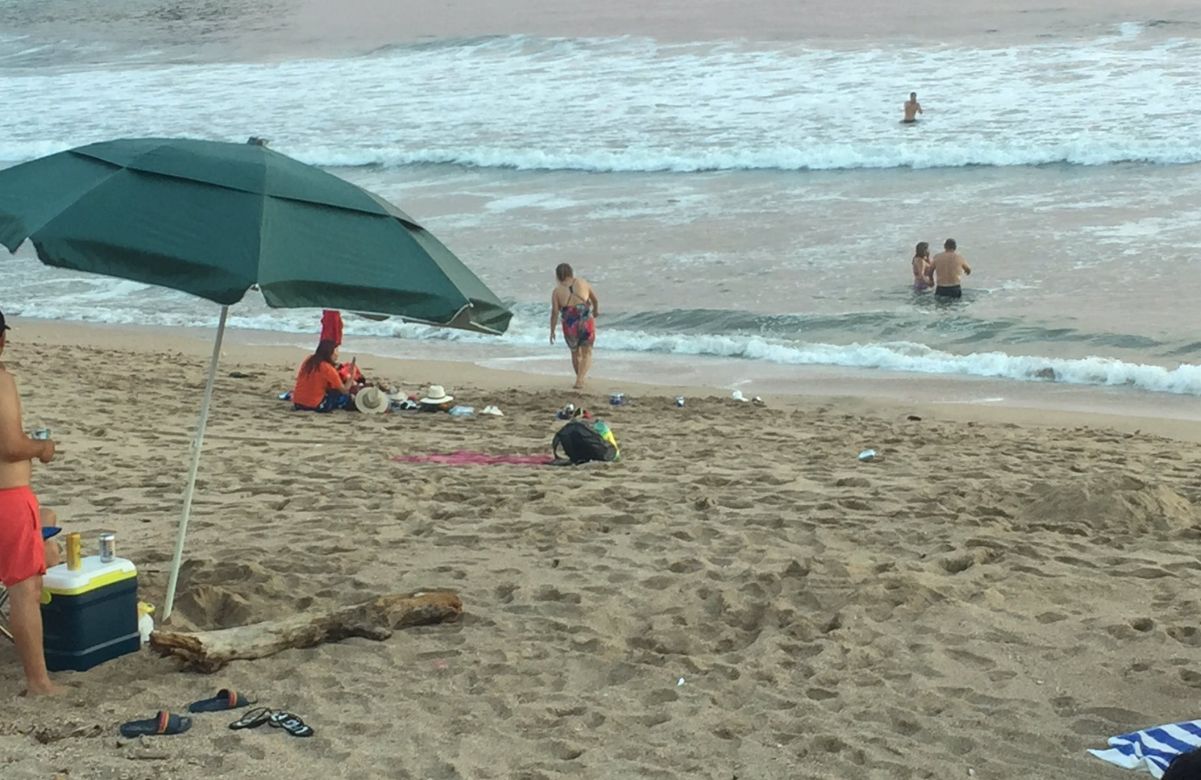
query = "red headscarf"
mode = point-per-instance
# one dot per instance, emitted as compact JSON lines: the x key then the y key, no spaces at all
{"x":331,"y":326}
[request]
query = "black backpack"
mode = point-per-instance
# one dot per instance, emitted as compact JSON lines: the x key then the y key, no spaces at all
{"x":581,"y":443}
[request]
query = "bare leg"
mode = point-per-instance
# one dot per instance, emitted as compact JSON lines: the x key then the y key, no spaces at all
{"x":582,"y":366}
{"x":575,"y":366}
{"x":25,"y":618}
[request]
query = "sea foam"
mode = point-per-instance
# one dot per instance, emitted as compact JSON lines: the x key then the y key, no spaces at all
{"x":632,"y":105}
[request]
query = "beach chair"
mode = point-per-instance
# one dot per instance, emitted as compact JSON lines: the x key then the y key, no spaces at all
{"x":46,"y":534}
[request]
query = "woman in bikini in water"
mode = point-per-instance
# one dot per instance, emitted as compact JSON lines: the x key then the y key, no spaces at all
{"x":923,"y":268}
{"x":575,"y":300}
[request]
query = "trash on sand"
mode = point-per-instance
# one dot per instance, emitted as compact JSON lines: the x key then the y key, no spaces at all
{"x":738,"y":396}
{"x":757,"y":401}
{"x":679,"y":400}
{"x":679,"y":682}
{"x":867,"y":455}
{"x":617,"y":399}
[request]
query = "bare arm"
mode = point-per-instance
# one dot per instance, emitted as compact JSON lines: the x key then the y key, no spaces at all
{"x":593,"y":301}
{"x":15,"y":446}
{"x":554,"y":314}
{"x":967,"y":269}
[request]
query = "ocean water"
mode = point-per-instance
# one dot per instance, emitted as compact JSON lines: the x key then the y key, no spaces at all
{"x":742,"y":200}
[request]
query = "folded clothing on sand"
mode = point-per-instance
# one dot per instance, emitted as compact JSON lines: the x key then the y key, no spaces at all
{"x":1152,"y":749}
{"x":466,"y":458}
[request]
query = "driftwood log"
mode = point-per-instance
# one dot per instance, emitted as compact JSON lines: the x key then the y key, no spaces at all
{"x":208,"y":651}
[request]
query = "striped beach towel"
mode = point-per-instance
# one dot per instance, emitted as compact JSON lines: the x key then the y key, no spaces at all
{"x":1152,"y":749}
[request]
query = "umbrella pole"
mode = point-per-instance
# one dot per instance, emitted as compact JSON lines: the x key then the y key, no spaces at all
{"x":197,"y":444}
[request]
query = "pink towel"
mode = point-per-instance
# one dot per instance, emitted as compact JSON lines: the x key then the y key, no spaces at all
{"x":467,"y":458}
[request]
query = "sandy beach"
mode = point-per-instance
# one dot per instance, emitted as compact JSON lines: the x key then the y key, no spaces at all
{"x":738,"y":598}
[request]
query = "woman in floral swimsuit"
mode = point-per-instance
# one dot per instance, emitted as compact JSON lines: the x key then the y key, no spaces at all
{"x":575,"y":301}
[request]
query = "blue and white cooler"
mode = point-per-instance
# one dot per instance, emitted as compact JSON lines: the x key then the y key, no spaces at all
{"x":90,"y":615}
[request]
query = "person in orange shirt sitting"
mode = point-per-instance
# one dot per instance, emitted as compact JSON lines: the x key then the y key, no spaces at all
{"x":319,"y":388}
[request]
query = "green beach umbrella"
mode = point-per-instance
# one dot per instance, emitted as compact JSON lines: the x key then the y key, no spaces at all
{"x":214,"y":219}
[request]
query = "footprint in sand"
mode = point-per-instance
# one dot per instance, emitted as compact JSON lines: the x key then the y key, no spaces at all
{"x":1185,"y":635}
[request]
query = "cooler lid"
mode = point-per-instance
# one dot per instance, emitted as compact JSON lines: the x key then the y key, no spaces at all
{"x":92,"y":574}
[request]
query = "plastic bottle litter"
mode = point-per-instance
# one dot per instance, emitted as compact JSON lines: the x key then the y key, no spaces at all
{"x":286,"y":396}
{"x":462,"y":411}
{"x":566,"y":413}
{"x":867,"y":455}
{"x":680,"y":683}
{"x":145,"y":622}
{"x":41,"y":434}
{"x":680,"y":400}
{"x":617,"y":399}
{"x":737,"y":395}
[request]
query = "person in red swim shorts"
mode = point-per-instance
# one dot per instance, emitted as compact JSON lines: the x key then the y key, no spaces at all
{"x":22,"y":550}
{"x":575,"y":300}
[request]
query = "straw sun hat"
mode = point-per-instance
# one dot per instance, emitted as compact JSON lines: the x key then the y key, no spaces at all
{"x":371,"y":400}
{"x":436,"y":394}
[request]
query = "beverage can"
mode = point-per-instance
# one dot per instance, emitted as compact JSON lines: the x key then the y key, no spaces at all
{"x":108,"y":547}
{"x":74,"y":552}
{"x":617,"y":399}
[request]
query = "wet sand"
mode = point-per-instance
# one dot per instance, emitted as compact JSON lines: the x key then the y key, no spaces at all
{"x":382,"y":22}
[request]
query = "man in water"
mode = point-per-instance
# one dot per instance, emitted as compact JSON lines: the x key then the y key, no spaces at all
{"x":576,"y":301}
{"x":949,"y":268}
{"x":22,"y":550}
{"x":912,"y":109}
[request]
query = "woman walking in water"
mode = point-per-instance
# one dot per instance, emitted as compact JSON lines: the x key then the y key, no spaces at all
{"x":923,"y":268}
{"x":575,"y":300}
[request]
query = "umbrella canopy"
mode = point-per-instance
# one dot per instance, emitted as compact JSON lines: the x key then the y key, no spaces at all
{"x":212,"y":219}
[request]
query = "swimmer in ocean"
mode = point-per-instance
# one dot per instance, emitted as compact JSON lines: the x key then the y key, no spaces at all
{"x":923,"y":268}
{"x":912,"y":109}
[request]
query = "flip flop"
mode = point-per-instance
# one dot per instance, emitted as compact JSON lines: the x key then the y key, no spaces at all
{"x":164,"y":724}
{"x":226,"y":699}
{"x":252,"y":719}
{"x":291,"y":724}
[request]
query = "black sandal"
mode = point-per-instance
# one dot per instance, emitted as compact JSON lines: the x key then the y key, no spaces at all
{"x":291,"y":724}
{"x":252,"y":718}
